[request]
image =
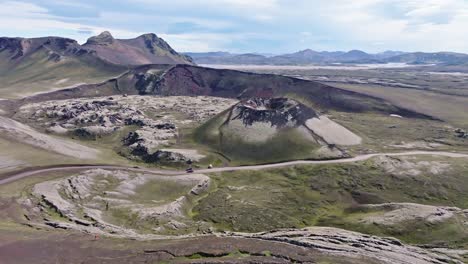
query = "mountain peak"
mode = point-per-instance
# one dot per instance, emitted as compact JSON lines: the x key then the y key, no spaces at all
{"x":154,"y":43}
{"x":148,"y":35}
{"x":355,"y":51}
{"x":307,"y":51}
{"x":101,"y":39}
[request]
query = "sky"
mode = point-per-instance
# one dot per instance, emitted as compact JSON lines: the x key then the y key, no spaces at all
{"x":239,"y":26}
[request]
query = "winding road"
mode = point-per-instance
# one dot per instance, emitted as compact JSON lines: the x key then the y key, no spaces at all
{"x":28,"y":173}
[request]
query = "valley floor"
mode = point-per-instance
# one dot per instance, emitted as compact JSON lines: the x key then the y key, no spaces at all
{"x":103,"y":179}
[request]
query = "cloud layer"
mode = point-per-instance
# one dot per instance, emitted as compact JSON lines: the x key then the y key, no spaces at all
{"x":273,"y":26}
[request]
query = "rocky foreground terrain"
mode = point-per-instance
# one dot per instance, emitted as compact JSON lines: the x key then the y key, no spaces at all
{"x":355,"y":245}
{"x":114,"y":203}
{"x":125,"y":204}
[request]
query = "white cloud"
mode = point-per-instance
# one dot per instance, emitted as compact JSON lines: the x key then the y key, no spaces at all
{"x":271,"y":25}
{"x":258,"y":10}
{"x":418,"y":27}
{"x":20,"y":17}
{"x":21,"y":9}
{"x":217,"y":4}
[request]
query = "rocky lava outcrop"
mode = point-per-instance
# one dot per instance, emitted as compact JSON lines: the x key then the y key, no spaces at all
{"x":149,"y":125}
{"x":279,"y":112}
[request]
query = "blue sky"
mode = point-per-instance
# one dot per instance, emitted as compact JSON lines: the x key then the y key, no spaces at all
{"x":268,"y":26}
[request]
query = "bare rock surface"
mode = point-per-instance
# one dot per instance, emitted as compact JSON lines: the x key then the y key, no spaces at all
{"x":81,"y":201}
{"x":118,"y":111}
{"x":406,"y":166}
{"x":89,"y":202}
{"x":155,"y":120}
{"x":340,"y":242}
{"x":395,"y":213}
{"x":417,"y":145}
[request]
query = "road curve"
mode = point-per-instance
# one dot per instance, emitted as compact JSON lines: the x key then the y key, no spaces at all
{"x":28,"y":173}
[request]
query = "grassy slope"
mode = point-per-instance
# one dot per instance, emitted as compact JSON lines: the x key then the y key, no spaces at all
{"x":30,"y":156}
{"x":36,"y":73}
{"x":383,"y":135}
{"x":386,"y":131}
{"x":453,"y":109}
{"x":184,"y":79}
{"x":324,"y":195}
{"x":288,"y":144}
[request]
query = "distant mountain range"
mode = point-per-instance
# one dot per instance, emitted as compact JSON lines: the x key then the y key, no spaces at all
{"x":309,"y":56}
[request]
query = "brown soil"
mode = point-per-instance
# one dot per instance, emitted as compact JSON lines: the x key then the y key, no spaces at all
{"x":60,"y":247}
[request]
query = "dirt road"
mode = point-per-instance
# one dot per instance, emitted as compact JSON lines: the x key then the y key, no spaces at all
{"x":20,"y":175}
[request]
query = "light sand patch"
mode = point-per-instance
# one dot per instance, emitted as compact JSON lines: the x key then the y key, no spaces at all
{"x":7,"y":162}
{"x":417,"y":145}
{"x":395,"y":213}
{"x":62,"y":81}
{"x":405,"y":166}
{"x":57,"y":129}
{"x":332,"y":132}
{"x":23,"y":133}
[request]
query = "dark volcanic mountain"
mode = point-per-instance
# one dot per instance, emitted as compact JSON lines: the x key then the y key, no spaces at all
{"x":29,"y":65}
{"x":189,"y":80}
{"x":307,"y":56}
{"x":354,"y":55}
{"x":40,"y":64}
{"x":18,"y":48}
{"x":145,"y":49}
{"x":301,"y":57}
{"x":448,"y":58}
{"x":278,"y":112}
{"x":262,"y":129}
